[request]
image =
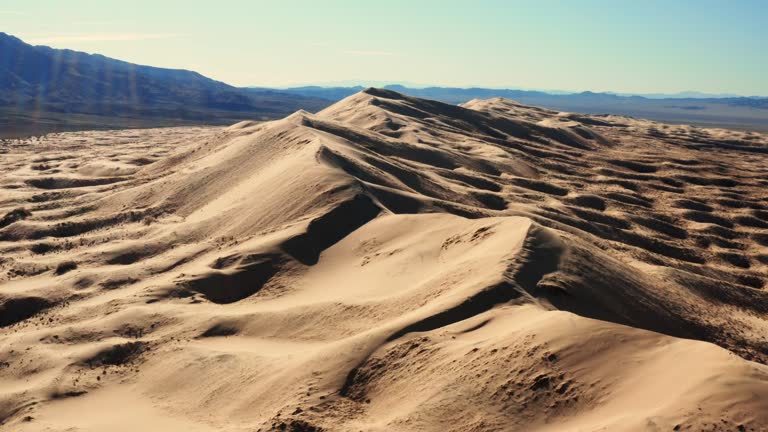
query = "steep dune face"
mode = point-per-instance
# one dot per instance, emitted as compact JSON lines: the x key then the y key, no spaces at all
{"x":389,"y":263}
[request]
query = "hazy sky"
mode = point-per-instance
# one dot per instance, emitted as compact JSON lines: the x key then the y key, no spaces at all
{"x":640,"y":46}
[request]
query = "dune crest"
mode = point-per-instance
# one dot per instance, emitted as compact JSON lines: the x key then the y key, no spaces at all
{"x":388,"y":263}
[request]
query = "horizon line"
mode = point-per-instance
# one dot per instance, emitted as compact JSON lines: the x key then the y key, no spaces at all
{"x":554,"y":92}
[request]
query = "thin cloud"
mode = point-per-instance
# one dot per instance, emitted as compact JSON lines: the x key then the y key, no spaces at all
{"x":101,"y":37}
{"x":9,"y":12}
{"x":101,"y":23}
{"x":370,"y":53}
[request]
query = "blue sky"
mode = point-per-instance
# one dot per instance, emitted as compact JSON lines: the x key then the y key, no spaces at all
{"x":716,"y":46}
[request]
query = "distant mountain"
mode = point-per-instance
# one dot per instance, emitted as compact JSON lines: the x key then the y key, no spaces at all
{"x":329,"y":93}
{"x":749,"y":113}
{"x":461,"y":95}
{"x":44,"y":89}
{"x":680,"y":95}
{"x":43,"y":79}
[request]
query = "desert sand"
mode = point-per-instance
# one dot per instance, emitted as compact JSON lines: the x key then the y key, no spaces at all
{"x":387,"y":264}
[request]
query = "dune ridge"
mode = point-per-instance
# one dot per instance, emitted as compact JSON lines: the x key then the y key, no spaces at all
{"x":389,"y":263}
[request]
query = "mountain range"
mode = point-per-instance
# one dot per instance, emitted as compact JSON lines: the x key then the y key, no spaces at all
{"x":337,"y":91}
{"x":44,"y":89}
{"x":49,"y":86}
{"x":747,"y":113}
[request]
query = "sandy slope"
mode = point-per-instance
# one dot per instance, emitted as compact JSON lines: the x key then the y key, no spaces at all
{"x":387,"y":264}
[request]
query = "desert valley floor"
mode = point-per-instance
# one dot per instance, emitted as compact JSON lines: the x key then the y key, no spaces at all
{"x":387,"y":264}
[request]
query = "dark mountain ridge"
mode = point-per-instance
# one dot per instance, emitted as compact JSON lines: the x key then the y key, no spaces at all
{"x":40,"y":82}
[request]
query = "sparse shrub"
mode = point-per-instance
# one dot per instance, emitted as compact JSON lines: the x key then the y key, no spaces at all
{"x":65,"y":267}
{"x":13,"y":216}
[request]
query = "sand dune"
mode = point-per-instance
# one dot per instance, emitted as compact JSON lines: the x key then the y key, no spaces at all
{"x":387,"y":264}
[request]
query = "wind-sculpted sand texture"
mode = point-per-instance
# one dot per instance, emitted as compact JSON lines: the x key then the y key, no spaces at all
{"x":388,"y":264}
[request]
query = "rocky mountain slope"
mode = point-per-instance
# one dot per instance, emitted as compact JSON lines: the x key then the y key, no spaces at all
{"x":64,"y":86}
